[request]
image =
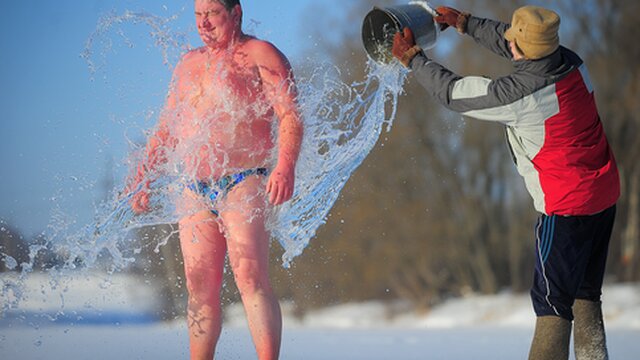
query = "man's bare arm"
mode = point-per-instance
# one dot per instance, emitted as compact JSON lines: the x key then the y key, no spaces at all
{"x":280,"y":89}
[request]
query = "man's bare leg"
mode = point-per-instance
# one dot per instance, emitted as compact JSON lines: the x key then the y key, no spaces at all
{"x":204,"y":249}
{"x":248,"y":245}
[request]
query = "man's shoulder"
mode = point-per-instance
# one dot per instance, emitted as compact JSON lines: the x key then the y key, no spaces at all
{"x":193,"y":54}
{"x":188,"y":60}
{"x":259,"y":48}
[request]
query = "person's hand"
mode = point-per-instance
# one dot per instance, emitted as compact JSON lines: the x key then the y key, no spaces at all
{"x":140,"y":199}
{"x":402,"y":42}
{"x":140,"y":202}
{"x":280,"y":184}
{"x":404,"y":46}
{"x":448,"y":17}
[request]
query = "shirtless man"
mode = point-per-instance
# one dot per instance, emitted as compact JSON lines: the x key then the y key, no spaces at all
{"x":217,"y":129}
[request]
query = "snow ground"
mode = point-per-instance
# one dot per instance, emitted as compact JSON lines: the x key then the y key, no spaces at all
{"x":99,"y":317}
{"x":169,"y":341}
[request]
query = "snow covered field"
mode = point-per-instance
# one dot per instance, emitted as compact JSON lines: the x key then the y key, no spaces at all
{"x":109,"y":318}
{"x":169,"y":341}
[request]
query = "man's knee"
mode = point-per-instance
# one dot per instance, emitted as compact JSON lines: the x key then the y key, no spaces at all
{"x":203,"y":284}
{"x":249,"y":278}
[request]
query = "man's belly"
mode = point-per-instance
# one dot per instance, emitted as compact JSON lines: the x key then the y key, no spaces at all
{"x":216,"y":155}
{"x":212,"y":162}
{"x":214,"y":141}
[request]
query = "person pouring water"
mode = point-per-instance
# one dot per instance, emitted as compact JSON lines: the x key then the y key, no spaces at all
{"x":560,"y":149}
{"x":217,"y":127}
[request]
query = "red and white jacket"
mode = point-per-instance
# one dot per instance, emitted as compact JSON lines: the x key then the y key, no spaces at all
{"x":552,"y":123}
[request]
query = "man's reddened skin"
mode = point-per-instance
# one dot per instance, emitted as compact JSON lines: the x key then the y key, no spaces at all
{"x":155,"y":155}
{"x":281,"y":184}
{"x":140,"y":202}
{"x":226,"y":227}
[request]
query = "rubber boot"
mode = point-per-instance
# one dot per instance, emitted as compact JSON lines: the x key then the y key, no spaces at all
{"x":551,"y":339}
{"x":589,"y":340}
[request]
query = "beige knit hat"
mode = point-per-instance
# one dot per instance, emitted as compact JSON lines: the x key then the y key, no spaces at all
{"x":535,"y":31}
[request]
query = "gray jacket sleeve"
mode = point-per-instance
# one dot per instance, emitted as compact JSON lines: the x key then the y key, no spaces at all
{"x":474,"y":96}
{"x":490,"y":34}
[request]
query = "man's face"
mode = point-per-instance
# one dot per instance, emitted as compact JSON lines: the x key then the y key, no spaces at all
{"x":517,"y":55}
{"x":216,"y":25}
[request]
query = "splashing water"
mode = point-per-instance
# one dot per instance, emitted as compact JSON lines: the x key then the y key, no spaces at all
{"x":342,"y":123}
{"x":170,"y":43}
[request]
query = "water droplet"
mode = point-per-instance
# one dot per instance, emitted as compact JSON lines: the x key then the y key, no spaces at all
{"x":10,"y":262}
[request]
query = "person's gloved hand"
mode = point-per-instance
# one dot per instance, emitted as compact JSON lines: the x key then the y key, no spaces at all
{"x":402,"y":41}
{"x":404,"y":46}
{"x":451,"y":17}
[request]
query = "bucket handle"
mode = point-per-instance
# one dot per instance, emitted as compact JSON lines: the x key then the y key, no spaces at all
{"x":426,"y":6}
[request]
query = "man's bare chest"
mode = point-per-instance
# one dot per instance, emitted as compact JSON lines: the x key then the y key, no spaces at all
{"x":229,"y":81}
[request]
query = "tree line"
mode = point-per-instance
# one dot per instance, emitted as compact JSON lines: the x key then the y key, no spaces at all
{"x":437,"y":209}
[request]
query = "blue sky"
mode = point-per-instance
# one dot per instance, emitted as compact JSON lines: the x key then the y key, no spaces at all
{"x":60,"y":124}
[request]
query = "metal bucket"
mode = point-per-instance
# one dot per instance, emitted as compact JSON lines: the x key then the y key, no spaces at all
{"x":381,"y":24}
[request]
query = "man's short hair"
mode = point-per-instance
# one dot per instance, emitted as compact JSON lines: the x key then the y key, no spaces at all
{"x":228,"y":4}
